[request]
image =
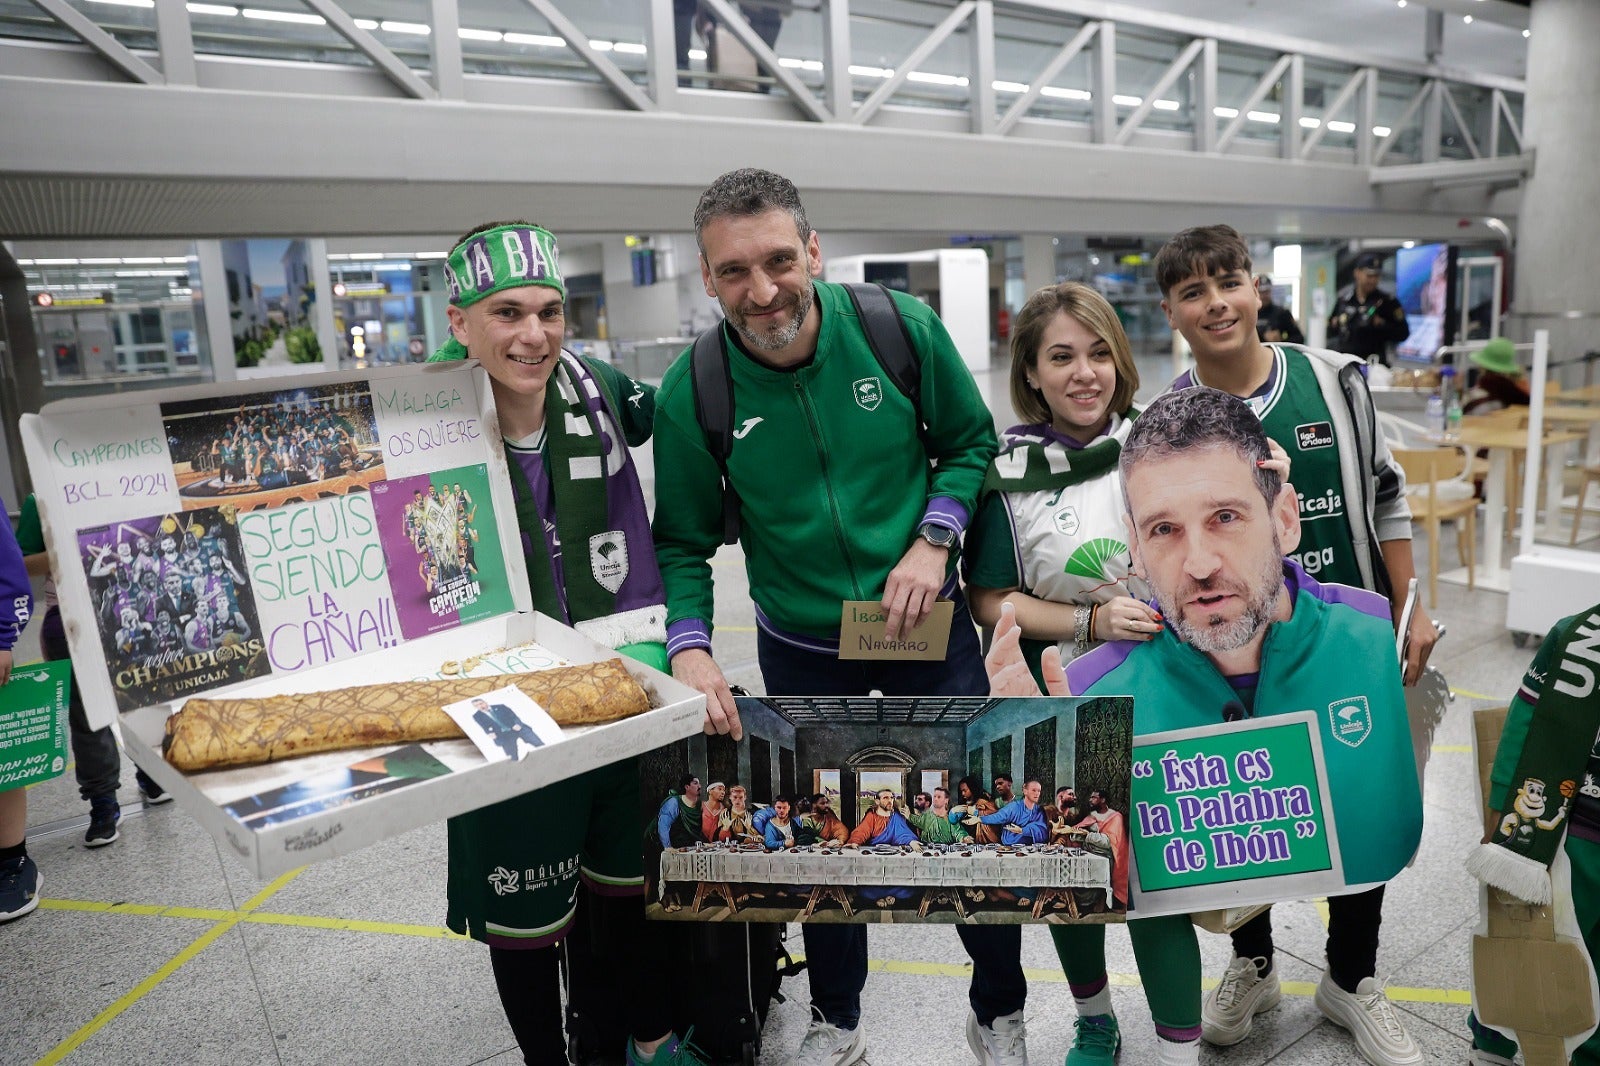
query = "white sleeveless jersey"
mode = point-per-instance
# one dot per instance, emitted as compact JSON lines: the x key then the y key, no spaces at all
{"x":1072,"y":542}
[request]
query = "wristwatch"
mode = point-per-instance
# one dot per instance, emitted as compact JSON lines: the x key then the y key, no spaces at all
{"x":937,"y":535}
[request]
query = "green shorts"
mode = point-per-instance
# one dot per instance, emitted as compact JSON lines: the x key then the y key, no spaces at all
{"x":515,"y":866}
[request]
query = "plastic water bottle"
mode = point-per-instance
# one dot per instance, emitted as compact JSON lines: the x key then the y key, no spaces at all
{"x":1436,"y":415}
{"x":1452,"y":402}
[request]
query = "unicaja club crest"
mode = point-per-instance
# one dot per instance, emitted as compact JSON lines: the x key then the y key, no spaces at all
{"x":608,"y":560}
{"x":869,"y":393}
{"x":1350,"y":720}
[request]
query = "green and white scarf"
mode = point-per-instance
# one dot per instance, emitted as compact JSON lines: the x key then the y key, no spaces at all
{"x":1028,"y":463}
{"x":1561,"y":733}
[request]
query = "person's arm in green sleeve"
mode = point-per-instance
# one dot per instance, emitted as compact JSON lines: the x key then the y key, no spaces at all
{"x":688,"y":530}
{"x":636,"y":401}
{"x":961,"y":440}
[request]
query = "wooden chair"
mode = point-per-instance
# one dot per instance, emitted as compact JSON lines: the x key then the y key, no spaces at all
{"x":1425,"y":468}
{"x":1590,"y":474}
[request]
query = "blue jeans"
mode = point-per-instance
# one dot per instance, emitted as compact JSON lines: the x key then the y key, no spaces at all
{"x":836,"y":955}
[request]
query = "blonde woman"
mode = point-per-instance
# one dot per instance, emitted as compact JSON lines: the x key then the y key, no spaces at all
{"x":1049,"y":536}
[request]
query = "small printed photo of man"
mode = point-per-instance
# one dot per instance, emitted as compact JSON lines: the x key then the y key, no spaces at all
{"x":504,"y":724}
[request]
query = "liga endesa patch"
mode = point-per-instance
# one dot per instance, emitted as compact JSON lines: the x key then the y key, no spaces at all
{"x":1312,"y":435}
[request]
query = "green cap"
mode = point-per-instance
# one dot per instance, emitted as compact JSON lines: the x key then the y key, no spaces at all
{"x":502,"y":258}
{"x":1500,"y":356}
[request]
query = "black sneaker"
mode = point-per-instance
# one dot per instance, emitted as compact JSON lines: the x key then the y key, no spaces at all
{"x":19,"y":887}
{"x":153,"y":793}
{"x":104,"y":814}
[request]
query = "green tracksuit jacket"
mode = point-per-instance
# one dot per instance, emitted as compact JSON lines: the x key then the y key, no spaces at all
{"x":832,"y":477}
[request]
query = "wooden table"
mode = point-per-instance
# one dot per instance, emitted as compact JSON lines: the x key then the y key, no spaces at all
{"x":1577,"y":416}
{"x":1586,"y":394}
{"x":1503,"y":444}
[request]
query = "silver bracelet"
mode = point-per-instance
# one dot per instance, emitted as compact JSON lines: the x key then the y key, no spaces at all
{"x":1081,"y":635}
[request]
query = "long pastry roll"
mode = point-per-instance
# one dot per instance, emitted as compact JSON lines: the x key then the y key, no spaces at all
{"x":208,"y":734}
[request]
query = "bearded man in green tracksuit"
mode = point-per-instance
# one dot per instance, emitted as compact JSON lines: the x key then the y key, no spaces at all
{"x":1248,"y":633}
{"x":840,"y":497}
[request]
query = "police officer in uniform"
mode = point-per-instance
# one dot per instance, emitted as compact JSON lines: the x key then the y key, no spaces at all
{"x":1366,"y":320}
{"x":1275,"y":322}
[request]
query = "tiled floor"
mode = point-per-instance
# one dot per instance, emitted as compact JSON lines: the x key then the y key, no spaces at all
{"x":158,"y":949}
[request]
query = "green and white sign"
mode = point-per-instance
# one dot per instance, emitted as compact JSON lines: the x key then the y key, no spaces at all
{"x":1232,"y":814}
{"x":33,"y":724}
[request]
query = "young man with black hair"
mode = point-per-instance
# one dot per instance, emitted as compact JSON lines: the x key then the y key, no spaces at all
{"x":1355,"y":530}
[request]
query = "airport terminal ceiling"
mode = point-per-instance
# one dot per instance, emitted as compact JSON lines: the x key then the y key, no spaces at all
{"x":260,"y":161}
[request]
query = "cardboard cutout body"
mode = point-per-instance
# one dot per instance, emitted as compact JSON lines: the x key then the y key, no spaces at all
{"x":1532,"y":977}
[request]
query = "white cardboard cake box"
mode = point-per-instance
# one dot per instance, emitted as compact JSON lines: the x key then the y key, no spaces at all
{"x":103,"y":460}
{"x":271,"y":850}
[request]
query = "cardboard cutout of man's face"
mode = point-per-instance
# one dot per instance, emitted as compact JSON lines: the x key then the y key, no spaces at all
{"x":1202,"y":535}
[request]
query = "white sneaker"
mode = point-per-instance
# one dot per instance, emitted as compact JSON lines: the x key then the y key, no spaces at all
{"x":1371,"y":1019}
{"x":828,"y":1045}
{"x":1231,"y":1007}
{"x":1003,"y":1044}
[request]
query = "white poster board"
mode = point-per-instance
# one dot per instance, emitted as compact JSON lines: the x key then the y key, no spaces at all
{"x":205,"y":536}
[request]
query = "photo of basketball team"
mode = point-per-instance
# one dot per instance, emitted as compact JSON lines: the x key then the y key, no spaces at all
{"x":273,"y":448}
{"x":173,"y":604}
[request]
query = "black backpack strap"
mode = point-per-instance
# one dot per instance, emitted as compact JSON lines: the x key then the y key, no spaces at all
{"x":891,"y":344}
{"x":713,"y":407}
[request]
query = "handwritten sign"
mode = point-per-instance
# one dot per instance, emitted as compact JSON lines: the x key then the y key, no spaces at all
{"x":33,"y":724}
{"x":861,"y":633}
{"x":322,"y":585}
{"x":428,"y":423}
{"x":1232,"y":814}
{"x":109,"y":464}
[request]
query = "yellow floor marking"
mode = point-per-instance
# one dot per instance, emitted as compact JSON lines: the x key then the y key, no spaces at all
{"x":303,"y":921}
{"x":354,"y":925}
{"x":143,"y":988}
{"x":1454,"y":749}
{"x":1472,"y":695}
{"x":1322,"y":910}
{"x":249,"y":914}
{"x":736,"y":629}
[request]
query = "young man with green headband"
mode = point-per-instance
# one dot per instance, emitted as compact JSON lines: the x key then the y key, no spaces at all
{"x":567,"y":423}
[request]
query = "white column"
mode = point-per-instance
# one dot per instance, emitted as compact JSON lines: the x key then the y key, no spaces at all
{"x":322,"y":307}
{"x":1558,"y":238}
{"x":1038,"y":263}
{"x":212,"y":295}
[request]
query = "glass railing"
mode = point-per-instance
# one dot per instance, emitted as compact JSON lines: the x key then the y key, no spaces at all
{"x":1158,"y":83}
